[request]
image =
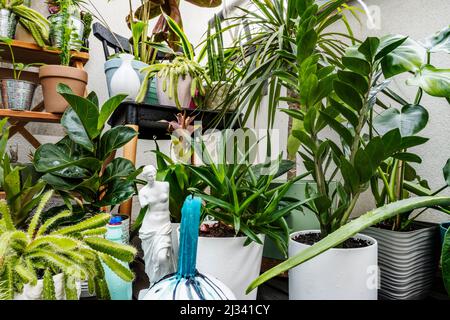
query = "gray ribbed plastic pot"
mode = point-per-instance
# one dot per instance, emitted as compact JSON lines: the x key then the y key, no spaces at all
{"x":407,"y":260}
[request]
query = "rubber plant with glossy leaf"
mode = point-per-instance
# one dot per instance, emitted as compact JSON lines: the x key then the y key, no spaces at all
{"x":240,"y":194}
{"x":75,"y":251}
{"x":81,"y":166}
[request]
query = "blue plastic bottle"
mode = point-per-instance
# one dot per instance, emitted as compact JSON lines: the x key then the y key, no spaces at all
{"x":118,"y":288}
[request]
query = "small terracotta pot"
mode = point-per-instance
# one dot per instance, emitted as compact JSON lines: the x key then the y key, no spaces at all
{"x":51,"y":75}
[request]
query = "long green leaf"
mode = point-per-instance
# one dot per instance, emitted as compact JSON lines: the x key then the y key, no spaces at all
{"x":348,"y":230}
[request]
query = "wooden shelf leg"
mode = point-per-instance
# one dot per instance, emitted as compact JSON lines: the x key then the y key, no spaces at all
{"x":129,"y":152}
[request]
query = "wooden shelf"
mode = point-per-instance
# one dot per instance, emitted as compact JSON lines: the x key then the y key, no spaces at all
{"x":31,"y":116}
{"x":27,"y":52}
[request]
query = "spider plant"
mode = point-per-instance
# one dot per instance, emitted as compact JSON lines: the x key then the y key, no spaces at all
{"x":182,"y":66}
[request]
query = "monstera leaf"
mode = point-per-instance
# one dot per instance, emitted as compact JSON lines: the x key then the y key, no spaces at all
{"x":435,"y":82}
{"x":409,"y":120}
{"x":439,"y":42}
{"x":409,"y":56}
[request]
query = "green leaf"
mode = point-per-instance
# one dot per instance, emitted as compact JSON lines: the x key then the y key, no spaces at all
{"x":85,"y":109}
{"x":375,"y":152}
{"x":391,"y":142}
{"x":358,"y":81}
{"x":412,"y":141}
{"x":369,"y":48}
{"x":435,"y":82}
{"x":50,"y":158}
{"x":117,"y":192}
{"x":350,"y":175}
{"x":349,"y":95}
{"x":107,"y":109}
{"x":118,"y":168}
{"x":119,"y":251}
{"x":409,"y":56}
{"x":445,"y":261}
{"x":357,"y":65}
{"x":75,"y":129}
{"x":343,"y":132}
{"x":348,"y":230}
{"x":387,"y":45}
{"x":123,"y":272}
{"x":114,"y":139}
{"x":439,"y":42}
{"x":446,"y":172}
{"x":363,"y":165}
{"x":408,"y":157}
{"x":410,"y":120}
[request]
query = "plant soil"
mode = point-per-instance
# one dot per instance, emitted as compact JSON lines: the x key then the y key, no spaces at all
{"x":217,"y":230}
{"x":312,"y":238}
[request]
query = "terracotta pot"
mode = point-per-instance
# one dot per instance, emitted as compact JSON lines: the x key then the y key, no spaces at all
{"x":51,"y":75}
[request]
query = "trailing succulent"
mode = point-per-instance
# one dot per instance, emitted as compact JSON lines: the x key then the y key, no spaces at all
{"x":81,"y":166}
{"x":42,"y":250}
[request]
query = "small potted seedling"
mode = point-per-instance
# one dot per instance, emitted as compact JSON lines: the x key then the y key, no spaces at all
{"x":51,"y":75}
{"x":17,"y":94}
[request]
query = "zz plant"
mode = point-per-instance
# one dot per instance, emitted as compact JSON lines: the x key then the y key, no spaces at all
{"x":41,"y":250}
{"x":349,"y":98}
{"x":81,"y":166}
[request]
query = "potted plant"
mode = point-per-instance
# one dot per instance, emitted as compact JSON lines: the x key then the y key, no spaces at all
{"x":405,"y":275}
{"x":13,"y":12}
{"x":128,"y":65}
{"x":350,"y":94}
{"x":244,"y":209}
{"x":178,"y":81}
{"x":51,"y":75}
{"x":221,"y":69}
{"x":58,"y":20}
{"x":17,"y":94}
{"x":445,"y":261}
{"x":44,"y":262}
{"x":81,"y":167}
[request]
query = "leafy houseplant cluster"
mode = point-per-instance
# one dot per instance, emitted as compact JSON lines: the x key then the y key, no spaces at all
{"x":81,"y":166}
{"x":44,"y":254}
{"x":43,"y":251}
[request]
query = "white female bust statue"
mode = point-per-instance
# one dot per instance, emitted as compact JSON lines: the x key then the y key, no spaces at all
{"x":156,"y":229}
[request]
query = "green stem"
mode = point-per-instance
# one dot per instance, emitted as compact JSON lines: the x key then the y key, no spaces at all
{"x":386,"y":185}
{"x":418,"y":96}
{"x":349,"y":210}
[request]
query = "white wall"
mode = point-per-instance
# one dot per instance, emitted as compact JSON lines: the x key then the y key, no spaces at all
{"x":415,"y":18}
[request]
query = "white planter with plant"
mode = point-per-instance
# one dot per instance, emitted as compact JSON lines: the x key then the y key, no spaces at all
{"x":339,"y":273}
{"x":350,"y":95}
{"x":231,"y":262}
{"x":179,"y":80}
{"x":239,"y":195}
{"x":35,"y":292}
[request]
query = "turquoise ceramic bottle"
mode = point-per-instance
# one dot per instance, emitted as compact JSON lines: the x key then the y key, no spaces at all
{"x":118,"y":288}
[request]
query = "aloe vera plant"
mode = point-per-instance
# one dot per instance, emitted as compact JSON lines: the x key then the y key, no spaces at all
{"x":77,"y":251}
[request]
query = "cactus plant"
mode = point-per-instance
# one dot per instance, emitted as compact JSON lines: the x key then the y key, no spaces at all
{"x":76,"y":251}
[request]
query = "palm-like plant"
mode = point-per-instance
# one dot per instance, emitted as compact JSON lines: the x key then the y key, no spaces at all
{"x":272,"y":50}
{"x":77,"y":251}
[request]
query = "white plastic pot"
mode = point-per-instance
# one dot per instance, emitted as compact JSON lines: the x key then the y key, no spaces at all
{"x":229,"y":261}
{"x":336,"y":274}
{"x":35,"y":292}
{"x":184,"y":92}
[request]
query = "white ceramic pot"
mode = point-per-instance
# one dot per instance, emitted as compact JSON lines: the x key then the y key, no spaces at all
{"x":336,"y":274}
{"x":35,"y":292}
{"x":125,"y":80}
{"x":184,"y":92}
{"x":229,"y":261}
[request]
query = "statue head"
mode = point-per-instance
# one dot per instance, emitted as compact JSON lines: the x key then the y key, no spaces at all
{"x":149,"y":173}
